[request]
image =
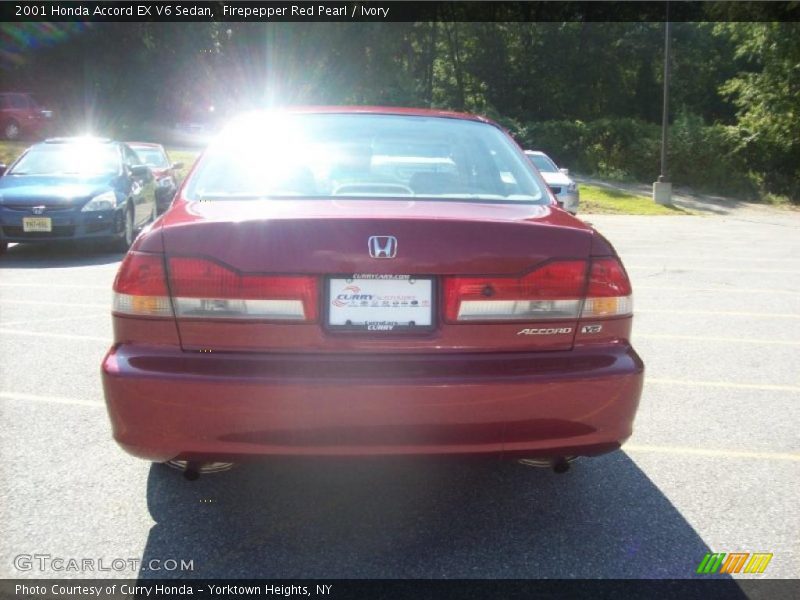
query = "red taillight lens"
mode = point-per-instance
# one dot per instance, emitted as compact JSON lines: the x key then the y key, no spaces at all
{"x":607,"y":278}
{"x":202,"y":288}
{"x":609,"y":291}
{"x":553,"y":291}
{"x":140,"y":287}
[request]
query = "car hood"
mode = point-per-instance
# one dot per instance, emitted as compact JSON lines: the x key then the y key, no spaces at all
{"x":556,"y":178}
{"x":50,"y":190}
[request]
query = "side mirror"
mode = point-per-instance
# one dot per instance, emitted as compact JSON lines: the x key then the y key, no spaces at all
{"x":142,"y":171}
{"x":564,"y":171}
{"x":3,"y":168}
{"x":177,"y":165}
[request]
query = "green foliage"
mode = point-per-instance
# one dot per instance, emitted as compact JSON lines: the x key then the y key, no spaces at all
{"x":706,"y":157}
{"x":588,"y":92}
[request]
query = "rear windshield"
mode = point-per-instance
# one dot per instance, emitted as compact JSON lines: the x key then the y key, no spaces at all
{"x":360,"y":155}
{"x":83,"y":159}
{"x":150,"y":156}
{"x":543,"y":163}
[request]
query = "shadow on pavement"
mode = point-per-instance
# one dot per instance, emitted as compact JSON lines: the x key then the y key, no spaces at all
{"x":59,"y":255}
{"x":419,"y":519}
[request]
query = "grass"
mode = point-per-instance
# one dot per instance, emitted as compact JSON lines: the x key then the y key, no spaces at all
{"x":187,"y":156}
{"x":11,"y":150}
{"x":596,"y":199}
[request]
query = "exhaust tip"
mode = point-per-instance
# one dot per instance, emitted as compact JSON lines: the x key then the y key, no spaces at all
{"x":560,"y":465}
{"x":192,"y":470}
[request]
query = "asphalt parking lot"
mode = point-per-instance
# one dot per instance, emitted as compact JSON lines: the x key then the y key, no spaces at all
{"x":714,"y":464}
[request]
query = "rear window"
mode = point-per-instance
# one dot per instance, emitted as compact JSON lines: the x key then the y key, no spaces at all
{"x":360,"y":155}
{"x":152,"y":157}
{"x":543,"y":163}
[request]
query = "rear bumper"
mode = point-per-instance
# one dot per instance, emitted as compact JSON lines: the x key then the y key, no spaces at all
{"x":570,"y":200}
{"x":165,"y":403}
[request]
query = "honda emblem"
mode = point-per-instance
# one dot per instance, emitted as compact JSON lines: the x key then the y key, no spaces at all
{"x":38,"y":210}
{"x":382,"y":246}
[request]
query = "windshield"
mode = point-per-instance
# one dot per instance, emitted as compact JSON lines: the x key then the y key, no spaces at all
{"x":362,"y":155}
{"x":68,"y":159}
{"x":543,"y":163}
{"x":152,"y":157}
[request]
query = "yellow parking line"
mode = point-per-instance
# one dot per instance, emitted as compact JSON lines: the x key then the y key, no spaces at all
{"x":627,"y":255}
{"x":725,"y":290}
{"x":65,"y":336}
{"x":55,"y":319}
{"x":59,"y":285}
{"x":722,"y":453}
{"x":48,"y":399}
{"x":724,"y":384}
{"x":709,"y":269}
{"x":59,"y":304}
{"x":720,"y":313}
{"x":704,"y":338}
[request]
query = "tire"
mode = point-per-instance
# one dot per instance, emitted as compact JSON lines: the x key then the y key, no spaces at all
{"x":125,"y":240}
{"x":3,"y":248}
{"x":11,"y":130}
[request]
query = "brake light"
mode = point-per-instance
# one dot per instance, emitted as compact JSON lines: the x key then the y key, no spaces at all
{"x":202,"y":288}
{"x":564,"y":289}
{"x":140,"y":287}
{"x":609,"y":291}
{"x":553,"y":291}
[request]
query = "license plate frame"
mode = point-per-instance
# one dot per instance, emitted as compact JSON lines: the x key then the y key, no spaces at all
{"x":37,"y":225}
{"x":378,"y":317}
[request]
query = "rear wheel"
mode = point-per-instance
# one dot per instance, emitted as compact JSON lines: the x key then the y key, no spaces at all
{"x":11,"y":130}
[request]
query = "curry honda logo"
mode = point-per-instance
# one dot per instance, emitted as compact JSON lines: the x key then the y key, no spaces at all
{"x":545,"y":331}
{"x":350,"y":294}
{"x":38,"y":210}
{"x":382,"y":246}
{"x":733,"y":562}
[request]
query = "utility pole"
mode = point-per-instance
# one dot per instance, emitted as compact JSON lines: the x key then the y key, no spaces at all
{"x":662,"y":189}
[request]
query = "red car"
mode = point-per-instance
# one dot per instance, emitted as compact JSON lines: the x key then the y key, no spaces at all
{"x":369,"y":281}
{"x":164,"y":171}
{"x":21,"y":115}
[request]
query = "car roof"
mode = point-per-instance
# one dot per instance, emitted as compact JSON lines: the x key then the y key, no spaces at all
{"x":387,"y":110}
{"x":144,"y":145}
{"x":74,"y":139}
{"x":536,"y":153}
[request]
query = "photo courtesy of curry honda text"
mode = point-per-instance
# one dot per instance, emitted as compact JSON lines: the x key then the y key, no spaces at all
{"x":369,"y":281}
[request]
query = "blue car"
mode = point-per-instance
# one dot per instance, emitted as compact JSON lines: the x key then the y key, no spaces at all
{"x":75,"y":188}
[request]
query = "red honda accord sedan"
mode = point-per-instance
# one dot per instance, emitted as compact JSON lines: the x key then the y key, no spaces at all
{"x":369,"y":281}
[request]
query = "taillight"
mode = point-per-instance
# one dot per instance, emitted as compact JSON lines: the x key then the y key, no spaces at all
{"x":140,"y":287}
{"x":609,"y":291}
{"x":204,"y":289}
{"x":553,"y":291}
{"x":557,"y":290}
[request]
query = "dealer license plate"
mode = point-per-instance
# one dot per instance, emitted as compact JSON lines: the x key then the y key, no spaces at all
{"x":380,"y":302}
{"x":31,"y":224}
